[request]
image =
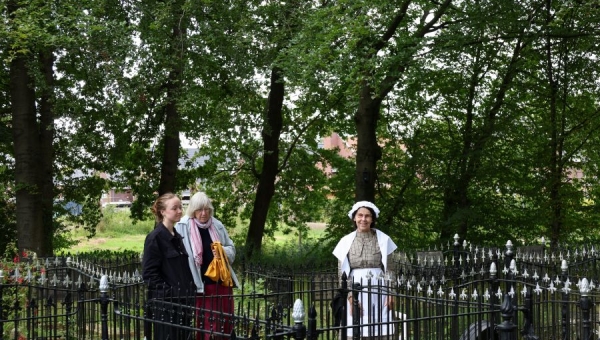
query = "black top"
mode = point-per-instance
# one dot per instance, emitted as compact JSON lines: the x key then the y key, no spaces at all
{"x":207,"y":255}
{"x":165,"y":265}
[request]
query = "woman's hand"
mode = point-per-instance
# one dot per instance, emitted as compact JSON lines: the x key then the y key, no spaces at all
{"x":350,"y":300}
{"x":215,"y":250}
{"x":389,"y":302}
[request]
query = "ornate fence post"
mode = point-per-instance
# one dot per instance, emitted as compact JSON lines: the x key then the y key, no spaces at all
{"x":511,"y":279}
{"x":104,"y":306}
{"x":81,"y":322}
{"x":298,"y":316}
{"x":528,"y":331}
{"x":455,"y":254}
{"x":586,"y":305}
{"x":312,"y":333}
{"x":493,"y":296}
{"x":565,"y":301}
{"x":506,"y":327}
{"x":68,"y":303}
{"x":508,"y":258}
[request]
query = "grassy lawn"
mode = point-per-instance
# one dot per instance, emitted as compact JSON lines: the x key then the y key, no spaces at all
{"x":129,"y":242}
{"x":116,"y":232}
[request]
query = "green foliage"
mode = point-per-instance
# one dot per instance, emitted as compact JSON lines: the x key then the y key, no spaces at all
{"x":309,"y":254}
{"x":116,"y":222}
{"x":8,"y":227}
{"x":106,"y":255}
{"x":487,"y":117}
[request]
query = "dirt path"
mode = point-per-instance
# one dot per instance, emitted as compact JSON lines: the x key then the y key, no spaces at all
{"x":317,"y":225}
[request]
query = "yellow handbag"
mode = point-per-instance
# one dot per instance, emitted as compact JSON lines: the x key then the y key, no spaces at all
{"x":218,"y":269}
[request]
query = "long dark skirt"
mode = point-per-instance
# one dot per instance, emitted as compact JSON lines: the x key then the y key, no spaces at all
{"x":214,"y":311}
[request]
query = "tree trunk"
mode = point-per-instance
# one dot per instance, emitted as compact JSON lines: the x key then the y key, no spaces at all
{"x":368,"y":152}
{"x":47,"y":152}
{"x":266,"y":184}
{"x":456,"y":196}
{"x":170,"y":161}
{"x":30,"y":227}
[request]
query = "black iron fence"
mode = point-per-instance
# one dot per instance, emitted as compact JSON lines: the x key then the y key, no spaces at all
{"x":461,"y":292}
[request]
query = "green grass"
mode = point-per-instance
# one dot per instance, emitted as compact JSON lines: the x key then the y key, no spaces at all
{"x":117,"y":232}
{"x":132,"y":242}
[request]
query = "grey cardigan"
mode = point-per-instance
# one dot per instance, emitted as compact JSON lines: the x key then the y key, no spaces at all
{"x":183,"y":228}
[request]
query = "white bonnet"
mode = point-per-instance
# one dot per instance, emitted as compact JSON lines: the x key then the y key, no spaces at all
{"x":363,"y":204}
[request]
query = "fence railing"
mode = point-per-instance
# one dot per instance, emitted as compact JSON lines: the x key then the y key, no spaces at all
{"x":463,"y":292}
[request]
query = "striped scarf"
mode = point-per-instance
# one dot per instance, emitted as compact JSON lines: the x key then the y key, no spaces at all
{"x":196,"y":240}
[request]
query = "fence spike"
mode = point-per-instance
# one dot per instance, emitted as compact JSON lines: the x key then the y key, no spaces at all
{"x":584,"y":288}
{"x":28,"y":277}
{"x":567,"y":288}
{"x":67,"y":281}
{"x":17,"y":275}
{"x":298,"y":312}
{"x":42,"y":280}
{"x":54,"y":280}
{"x":474,"y":296}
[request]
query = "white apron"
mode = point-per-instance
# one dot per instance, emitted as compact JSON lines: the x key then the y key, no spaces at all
{"x":373,"y":306}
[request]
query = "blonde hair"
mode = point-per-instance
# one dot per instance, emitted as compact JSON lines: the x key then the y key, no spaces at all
{"x":161,"y":204}
{"x":199,"y":201}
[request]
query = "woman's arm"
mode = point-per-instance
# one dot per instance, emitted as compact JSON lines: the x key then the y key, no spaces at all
{"x":151,"y":264}
{"x":226,"y":241}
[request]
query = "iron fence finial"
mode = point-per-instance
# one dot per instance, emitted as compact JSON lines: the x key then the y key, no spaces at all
{"x":104,"y":284}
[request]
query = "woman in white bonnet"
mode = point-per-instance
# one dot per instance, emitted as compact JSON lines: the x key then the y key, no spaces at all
{"x":364,"y":254}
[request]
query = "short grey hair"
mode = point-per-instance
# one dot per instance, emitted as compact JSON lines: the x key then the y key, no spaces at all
{"x":199,"y":201}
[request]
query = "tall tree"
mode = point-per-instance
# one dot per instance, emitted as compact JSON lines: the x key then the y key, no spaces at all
{"x":561,"y":96}
{"x":263,"y":135}
{"x":480,"y":126}
{"x":32,"y":136}
{"x":393,"y":40}
{"x":466,"y":115}
{"x":147,"y":123}
{"x":43,"y":40}
{"x":174,"y":85}
{"x":270,"y":165}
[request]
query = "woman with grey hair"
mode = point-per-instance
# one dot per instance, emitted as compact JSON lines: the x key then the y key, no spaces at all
{"x":214,"y":300}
